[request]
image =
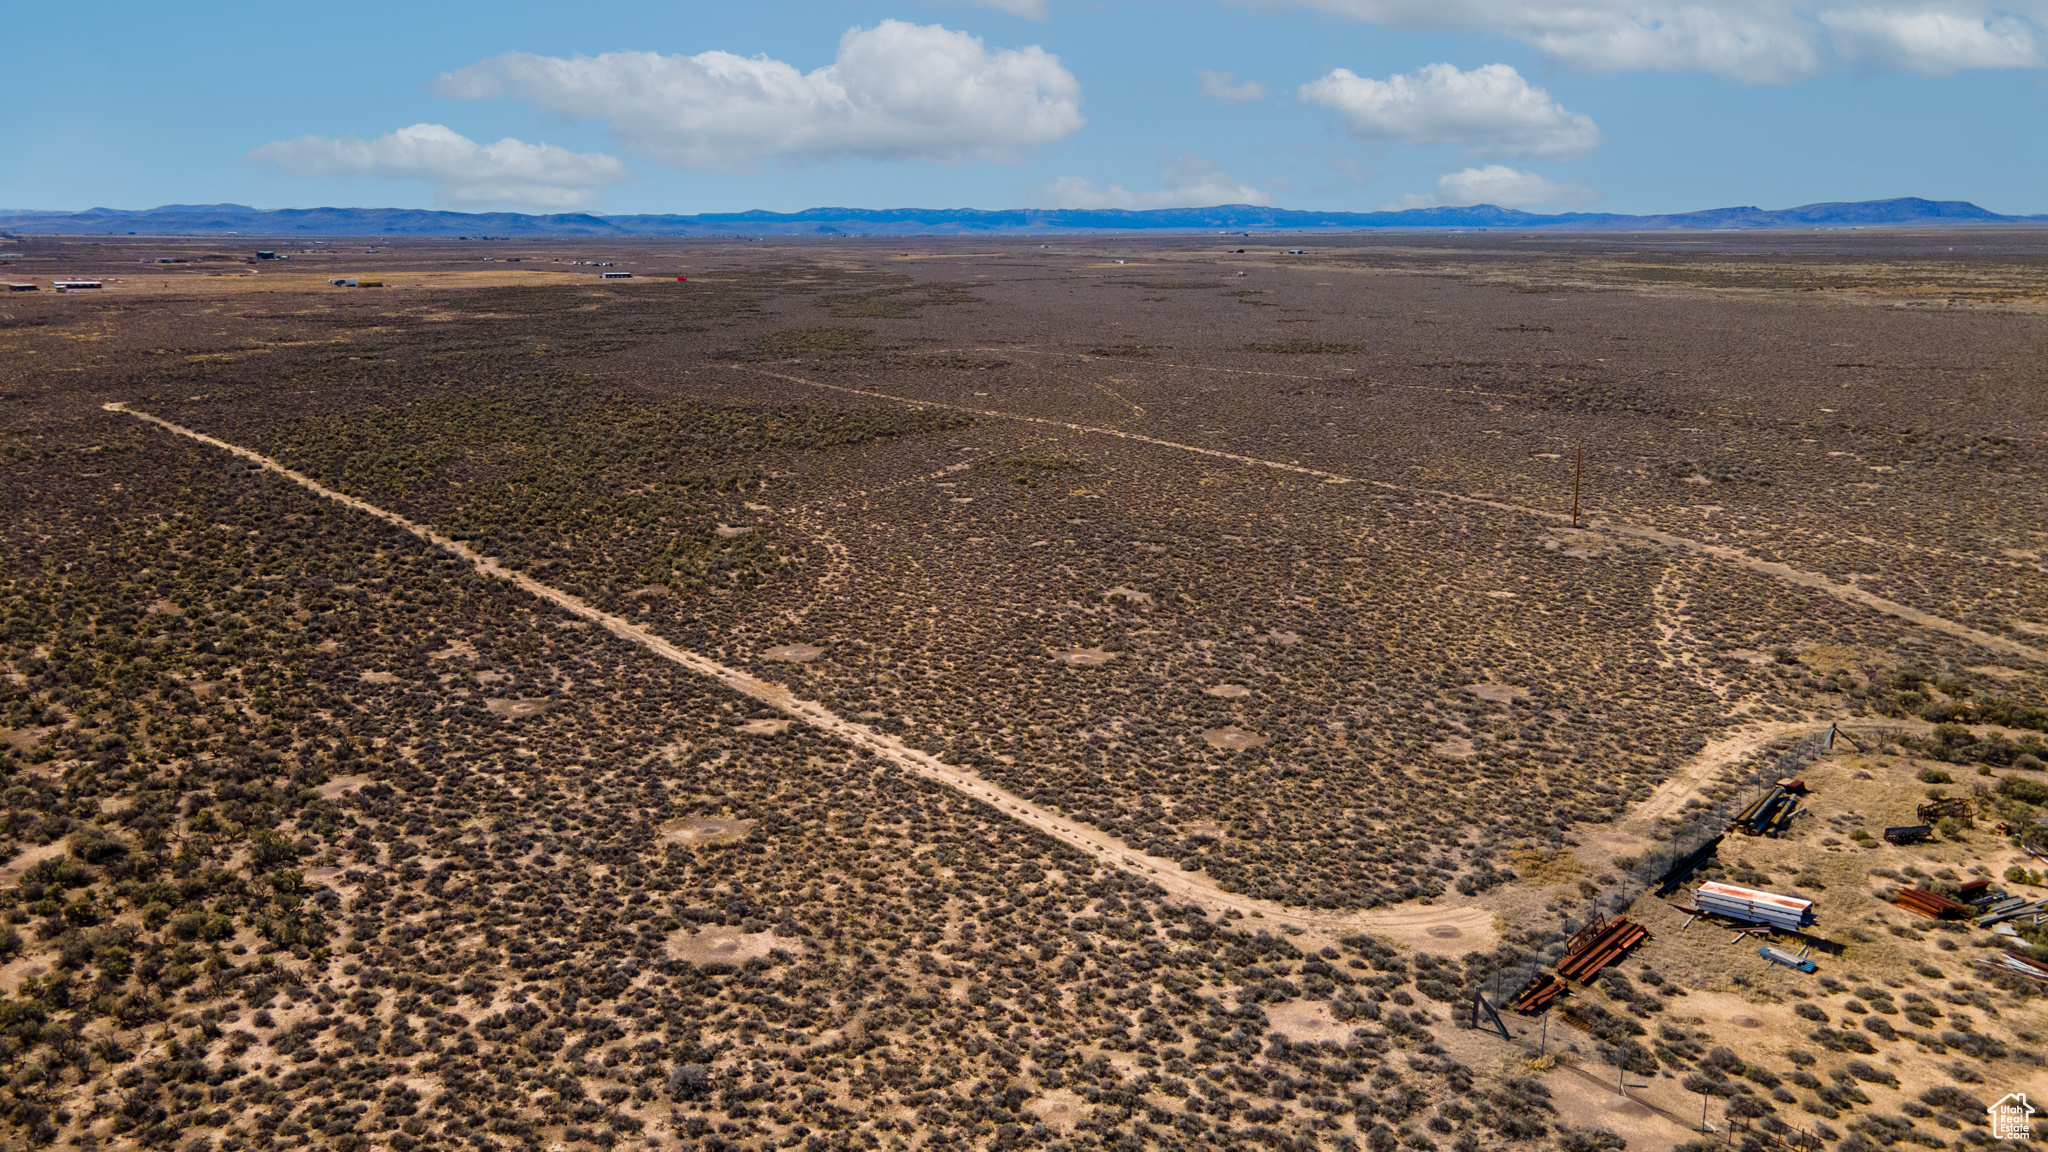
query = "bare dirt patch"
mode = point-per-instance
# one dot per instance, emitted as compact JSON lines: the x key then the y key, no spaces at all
{"x":1455,"y":748}
{"x":1233,"y":738}
{"x":1084,"y":657}
{"x":1060,"y":1108}
{"x":1227,"y":691}
{"x":517,"y":709}
{"x":341,"y":784}
{"x":1498,"y":693}
{"x":765,"y":727}
{"x":723,"y":946}
{"x":707,"y":830}
{"x":1128,"y":595}
{"x":23,"y":739}
{"x":794,"y":653}
{"x":1308,"y":1022}
{"x":1579,"y":545}
{"x":379,"y":678}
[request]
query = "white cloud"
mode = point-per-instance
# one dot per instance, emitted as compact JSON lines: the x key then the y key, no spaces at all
{"x":1503,"y":187}
{"x":463,"y":172}
{"x":1029,"y":9}
{"x":1489,"y":111}
{"x":1191,"y":182}
{"x":1931,"y":43}
{"x":895,"y":91}
{"x":1225,"y":88}
{"x":1750,"y":41}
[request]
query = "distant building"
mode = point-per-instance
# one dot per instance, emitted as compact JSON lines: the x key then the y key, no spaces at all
{"x":343,"y":282}
{"x":69,"y":285}
{"x":615,"y":275}
{"x":21,"y":287}
{"x":265,"y":254}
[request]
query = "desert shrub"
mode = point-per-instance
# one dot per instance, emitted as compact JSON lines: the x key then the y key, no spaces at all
{"x":1306,"y":347}
{"x":2024,"y":790}
{"x":1589,"y":1140}
{"x":95,"y":846}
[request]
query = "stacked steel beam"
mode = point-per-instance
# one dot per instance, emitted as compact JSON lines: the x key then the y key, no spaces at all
{"x":1751,"y":906}
{"x":1538,"y":994}
{"x":2012,"y":908}
{"x":1929,"y":904}
{"x":2016,"y":966}
{"x":1603,"y":949}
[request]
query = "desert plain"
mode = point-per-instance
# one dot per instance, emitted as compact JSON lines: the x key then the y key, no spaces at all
{"x":1015,"y":692}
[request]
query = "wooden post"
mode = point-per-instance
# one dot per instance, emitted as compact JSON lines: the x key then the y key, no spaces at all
{"x":1578,"y":474}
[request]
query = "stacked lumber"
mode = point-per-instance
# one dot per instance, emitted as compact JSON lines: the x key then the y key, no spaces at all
{"x":1613,"y":941}
{"x":1538,"y":994}
{"x":1928,"y":904}
{"x":1753,"y":906}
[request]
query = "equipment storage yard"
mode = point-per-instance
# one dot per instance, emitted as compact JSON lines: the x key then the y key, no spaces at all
{"x":1065,"y":694}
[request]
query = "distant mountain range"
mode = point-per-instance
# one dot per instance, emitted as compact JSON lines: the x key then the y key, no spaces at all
{"x":219,"y":219}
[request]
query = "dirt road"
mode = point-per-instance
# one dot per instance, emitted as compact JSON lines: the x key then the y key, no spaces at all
{"x":1440,"y":928}
{"x":1777,"y":571}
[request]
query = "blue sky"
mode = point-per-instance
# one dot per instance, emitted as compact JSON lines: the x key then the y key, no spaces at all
{"x":1616,"y":105}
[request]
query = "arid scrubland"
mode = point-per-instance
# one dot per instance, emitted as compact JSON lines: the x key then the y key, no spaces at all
{"x":316,"y":837}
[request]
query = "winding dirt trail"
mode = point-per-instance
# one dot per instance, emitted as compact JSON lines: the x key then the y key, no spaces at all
{"x":1775,"y":570}
{"x":1443,"y":928}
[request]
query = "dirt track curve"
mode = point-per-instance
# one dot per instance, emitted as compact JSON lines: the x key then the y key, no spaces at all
{"x":1736,"y":556}
{"x":1454,"y":929}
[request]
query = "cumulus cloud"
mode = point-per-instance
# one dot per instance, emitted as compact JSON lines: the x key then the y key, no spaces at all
{"x":1503,"y":187}
{"x":1749,"y":41}
{"x":1225,"y":88}
{"x":1931,"y":43}
{"x":1191,"y":182}
{"x":1489,"y":111}
{"x":1029,"y":9}
{"x":895,"y":91}
{"x":463,"y":172}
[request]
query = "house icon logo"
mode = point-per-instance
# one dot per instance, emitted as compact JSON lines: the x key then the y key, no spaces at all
{"x":2012,"y":1118}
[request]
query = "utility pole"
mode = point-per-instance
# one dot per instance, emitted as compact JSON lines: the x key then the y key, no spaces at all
{"x":1578,"y":475}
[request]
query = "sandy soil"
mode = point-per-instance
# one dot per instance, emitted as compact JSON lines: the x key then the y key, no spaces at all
{"x":794,"y":653}
{"x":1233,"y":738}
